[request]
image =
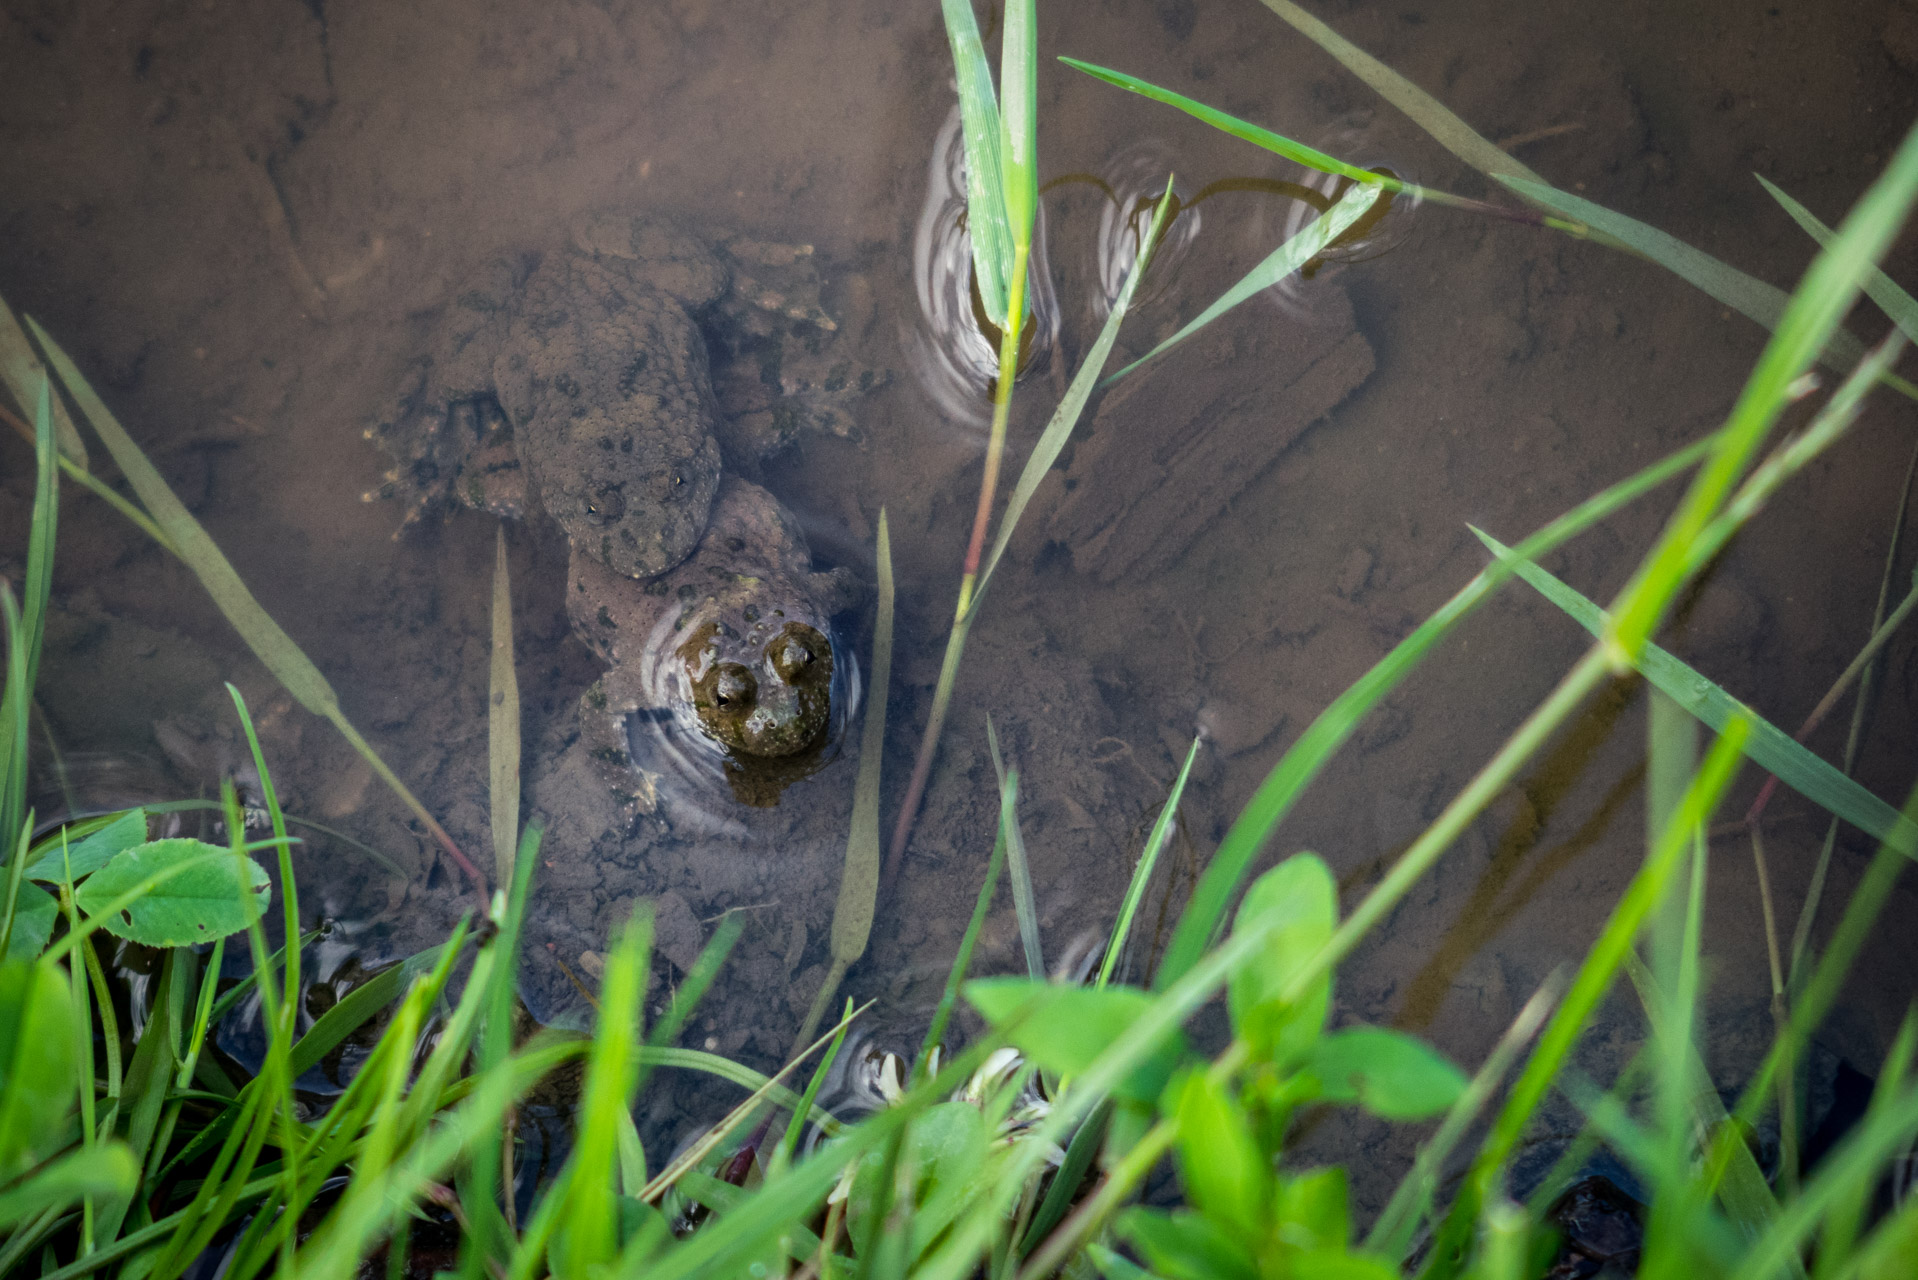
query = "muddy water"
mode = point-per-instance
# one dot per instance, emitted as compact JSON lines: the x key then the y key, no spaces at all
{"x":243,"y":219}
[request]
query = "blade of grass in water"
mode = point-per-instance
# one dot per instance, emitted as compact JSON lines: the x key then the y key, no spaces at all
{"x":1426,"y":111}
{"x":1279,"y":264}
{"x":502,"y":721}
{"x":22,"y":372}
{"x":294,"y":670}
{"x":859,"y":880}
{"x":1769,"y":746}
{"x":1743,"y":293}
{"x":1142,"y":873}
{"x":1020,"y":872}
{"x":986,"y":222}
{"x":1019,"y":124}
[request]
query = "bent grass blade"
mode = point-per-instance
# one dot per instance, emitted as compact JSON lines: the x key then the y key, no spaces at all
{"x":274,"y":648}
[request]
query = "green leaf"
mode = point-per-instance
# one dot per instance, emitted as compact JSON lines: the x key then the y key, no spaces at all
{"x":104,"y":1171}
{"x":33,"y":915}
{"x":1019,"y":120}
{"x":946,"y":1149}
{"x":1768,"y":746}
{"x":37,"y":1071}
{"x":1186,"y":1246}
{"x":175,"y":893}
{"x":1389,"y":1074}
{"x":1245,"y":131}
{"x":986,"y":221}
{"x":1313,"y":1210}
{"x":1280,"y":263}
{"x":1337,"y":1264}
{"x":1226,"y":1176}
{"x":86,"y":856}
{"x":1065,"y":1029}
{"x":1299,"y":901}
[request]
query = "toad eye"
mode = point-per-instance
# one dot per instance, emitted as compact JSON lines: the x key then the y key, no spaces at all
{"x":733,"y":688}
{"x":792,"y":657}
{"x":606,"y":506}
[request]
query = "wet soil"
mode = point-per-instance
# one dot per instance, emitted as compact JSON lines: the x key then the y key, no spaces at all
{"x":242,"y":218}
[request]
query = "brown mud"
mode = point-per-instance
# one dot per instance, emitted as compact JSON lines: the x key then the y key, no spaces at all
{"x":241,"y":219}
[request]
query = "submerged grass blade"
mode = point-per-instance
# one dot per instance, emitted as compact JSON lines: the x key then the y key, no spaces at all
{"x":502,"y":721}
{"x":1426,"y":111}
{"x":23,"y":374}
{"x":1769,"y":746}
{"x":859,"y":880}
{"x":274,"y":648}
{"x":1142,"y":873}
{"x":1022,"y":903}
{"x":1279,"y":264}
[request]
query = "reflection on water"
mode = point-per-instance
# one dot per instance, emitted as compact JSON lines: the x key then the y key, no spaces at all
{"x":1133,"y":183}
{"x":954,"y":347}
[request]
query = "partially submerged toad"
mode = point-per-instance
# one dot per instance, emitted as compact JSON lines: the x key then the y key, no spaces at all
{"x":578,"y":383}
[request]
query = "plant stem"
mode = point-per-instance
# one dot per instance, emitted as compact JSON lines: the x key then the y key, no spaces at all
{"x":1009,"y":336}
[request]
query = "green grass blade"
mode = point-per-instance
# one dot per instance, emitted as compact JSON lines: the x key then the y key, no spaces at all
{"x":1879,"y":287}
{"x":1022,"y":902}
{"x":502,"y":721}
{"x":859,"y":880}
{"x":1426,"y":111}
{"x":1335,"y":725}
{"x":1282,"y":262}
{"x":24,"y":635}
{"x":1769,"y":746}
{"x":1142,"y":873}
{"x":1064,"y":418}
{"x":101,"y":1173}
{"x":588,"y":1236}
{"x":1019,"y":123}
{"x":1244,"y":130}
{"x":986,"y":220}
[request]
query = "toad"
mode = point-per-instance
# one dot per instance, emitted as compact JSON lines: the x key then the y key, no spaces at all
{"x":579,"y":383}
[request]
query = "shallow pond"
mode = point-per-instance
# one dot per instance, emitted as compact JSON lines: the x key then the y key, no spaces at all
{"x":246,"y":221}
